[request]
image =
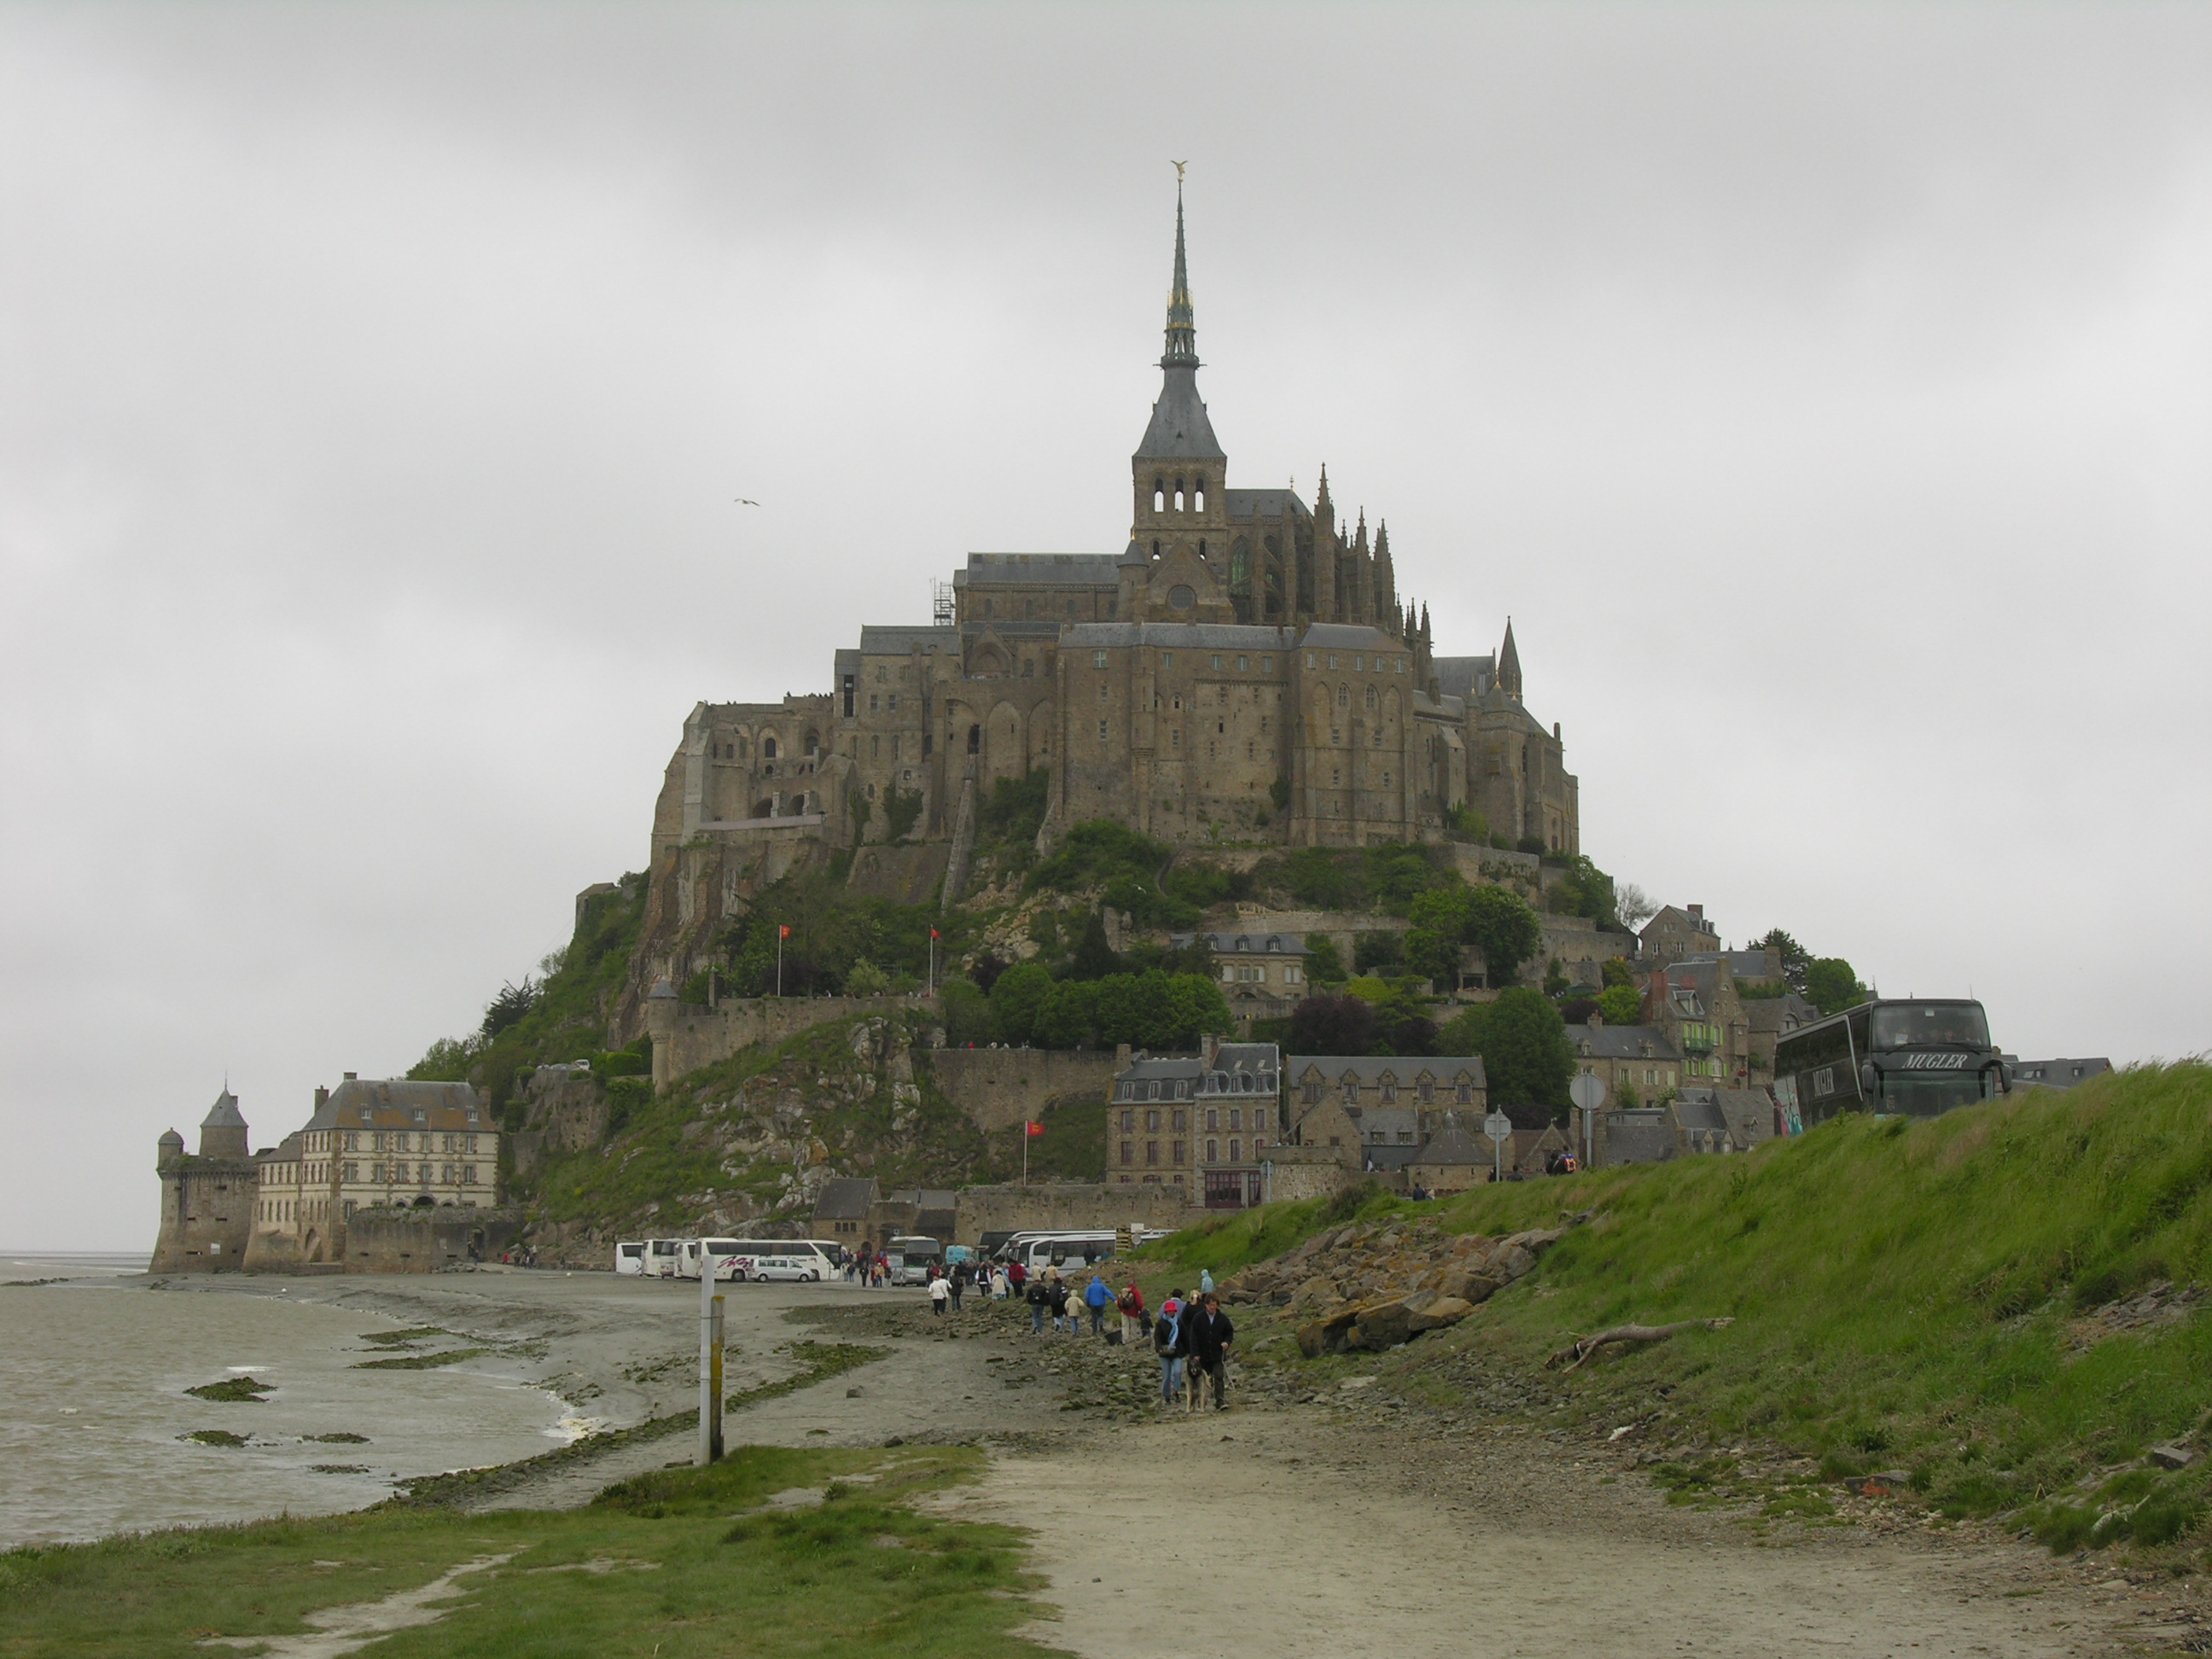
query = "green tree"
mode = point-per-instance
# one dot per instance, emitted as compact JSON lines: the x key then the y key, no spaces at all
{"x":1619,"y":1004}
{"x":1522,"y":1041}
{"x":865,"y":978}
{"x":1556,"y":982}
{"x":1324,"y":965}
{"x":1612,"y":971}
{"x":1797,"y":961}
{"x":1196,"y":1007}
{"x":1507,"y":931}
{"x":1831,"y":986}
{"x":1067,"y":1017}
{"x":966,"y":1013}
{"x":1584,"y":891}
{"x":1434,"y":955}
{"x":1378,"y":949}
{"x":1094,"y":958}
{"x":1016,"y":997}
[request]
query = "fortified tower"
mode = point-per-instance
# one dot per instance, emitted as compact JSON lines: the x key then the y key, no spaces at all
{"x":206,"y":1201}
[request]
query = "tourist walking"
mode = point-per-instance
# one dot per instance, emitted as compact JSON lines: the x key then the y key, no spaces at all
{"x":1206,"y":1281}
{"x":1168,"y":1342}
{"x":1208,"y":1340}
{"x":1056,"y":1288}
{"x":999,"y":1284}
{"x":959,"y":1283}
{"x":1131,"y":1305}
{"x":1039,"y":1296}
{"x":1095,"y":1297}
{"x":940,"y":1292}
{"x":1018,"y":1276}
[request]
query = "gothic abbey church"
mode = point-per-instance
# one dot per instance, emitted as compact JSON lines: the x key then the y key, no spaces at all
{"x":1244,"y":670}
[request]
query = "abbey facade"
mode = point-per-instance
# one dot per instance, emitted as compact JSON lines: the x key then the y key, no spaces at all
{"x":1245,"y":669}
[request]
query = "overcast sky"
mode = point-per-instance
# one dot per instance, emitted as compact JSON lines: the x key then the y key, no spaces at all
{"x":1826,"y":393}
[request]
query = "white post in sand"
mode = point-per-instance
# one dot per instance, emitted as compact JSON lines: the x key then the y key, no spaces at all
{"x":710,"y":1362}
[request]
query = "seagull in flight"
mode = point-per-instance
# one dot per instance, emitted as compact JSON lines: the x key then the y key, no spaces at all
{"x":743,"y":502}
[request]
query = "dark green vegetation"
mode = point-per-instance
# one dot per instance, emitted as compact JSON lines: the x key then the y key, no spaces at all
{"x":214,"y":1437}
{"x":420,"y":1362}
{"x":819,"y":1362}
{"x":658,"y":1564}
{"x":246,"y":1390}
{"x":1938,"y":1297}
{"x":652,"y":1173}
{"x":1151,"y":1010}
{"x":1524,"y":1044}
{"x":562,"y":1017}
{"x":833,"y":930}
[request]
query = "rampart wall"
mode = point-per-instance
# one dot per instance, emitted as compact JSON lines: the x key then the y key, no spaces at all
{"x":998,"y":1088}
{"x":686,"y":1037}
{"x":1068,"y":1206}
{"x":207,"y":1215}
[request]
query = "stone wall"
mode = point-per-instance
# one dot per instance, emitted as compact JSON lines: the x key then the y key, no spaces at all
{"x":1067,"y":1206}
{"x":998,"y":1088}
{"x":1301,"y":1172}
{"x":207,"y":1215}
{"x":686,"y":1037}
{"x":423,"y":1241}
{"x":907,"y":873}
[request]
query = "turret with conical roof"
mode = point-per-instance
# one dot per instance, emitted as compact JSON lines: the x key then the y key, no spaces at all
{"x":222,"y":1131}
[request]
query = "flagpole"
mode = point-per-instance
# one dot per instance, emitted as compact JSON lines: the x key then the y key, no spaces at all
{"x":779,"y":960}
{"x":1026,"y":1151}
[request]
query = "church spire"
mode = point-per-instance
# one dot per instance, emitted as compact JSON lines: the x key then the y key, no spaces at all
{"x":1323,"y":513}
{"x":1183,"y":327}
{"x":1386,"y":579}
{"x":1508,"y":665}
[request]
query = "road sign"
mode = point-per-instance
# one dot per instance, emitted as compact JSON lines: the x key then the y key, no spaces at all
{"x":1587,"y":1092}
{"x":1499,"y":1128}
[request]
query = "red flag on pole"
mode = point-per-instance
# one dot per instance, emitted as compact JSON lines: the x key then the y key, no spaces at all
{"x":783,"y":930}
{"x":933,"y":933}
{"x":1034,"y":1129}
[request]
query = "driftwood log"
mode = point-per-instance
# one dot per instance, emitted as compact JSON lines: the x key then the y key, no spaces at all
{"x":1582,"y":1348}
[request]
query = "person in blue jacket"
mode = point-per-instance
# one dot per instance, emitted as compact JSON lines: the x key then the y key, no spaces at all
{"x":1097,"y":1298}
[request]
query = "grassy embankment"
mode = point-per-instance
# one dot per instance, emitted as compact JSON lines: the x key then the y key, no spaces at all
{"x":671,"y":1564}
{"x":1906,"y":1295}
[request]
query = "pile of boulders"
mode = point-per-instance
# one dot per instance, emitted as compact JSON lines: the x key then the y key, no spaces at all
{"x":1376,"y":1285}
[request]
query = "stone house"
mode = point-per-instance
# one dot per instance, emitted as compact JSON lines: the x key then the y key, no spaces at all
{"x":1263,"y":976}
{"x":1201,"y":1121}
{"x":1635,"y":1058}
{"x":1769,"y":1019}
{"x":1676,"y":931}
{"x":1379,"y":1112}
{"x":1452,"y":1160}
{"x":1696,"y":1004}
{"x":2054,"y":1074}
{"x":842,"y":1209}
{"x":387,"y":1144}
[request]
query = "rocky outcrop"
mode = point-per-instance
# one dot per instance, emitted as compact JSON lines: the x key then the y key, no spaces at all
{"x":1375,"y":1285}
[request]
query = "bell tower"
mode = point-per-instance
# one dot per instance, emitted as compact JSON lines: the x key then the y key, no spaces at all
{"x":1179,"y":530}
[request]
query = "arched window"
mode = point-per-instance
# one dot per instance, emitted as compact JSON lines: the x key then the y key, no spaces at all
{"x":768,"y":748}
{"x":814,"y":740}
{"x":1343,"y":698}
{"x":1198,"y":494}
{"x":975,"y":739}
{"x":1159,"y":495}
{"x":1370,"y":699}
{"x":1180,"y":498}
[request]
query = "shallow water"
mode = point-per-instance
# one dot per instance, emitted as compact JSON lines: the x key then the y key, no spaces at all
{"x":92,"y":1375}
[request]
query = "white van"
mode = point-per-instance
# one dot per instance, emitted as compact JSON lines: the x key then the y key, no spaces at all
{"x":630,"y":1258}
{"x":1069,"y":1252}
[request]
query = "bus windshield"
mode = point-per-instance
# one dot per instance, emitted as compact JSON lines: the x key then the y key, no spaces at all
{"x":1926,"y":1025}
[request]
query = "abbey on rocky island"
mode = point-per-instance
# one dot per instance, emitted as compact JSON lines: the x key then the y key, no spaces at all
{"x":1244,"y":670}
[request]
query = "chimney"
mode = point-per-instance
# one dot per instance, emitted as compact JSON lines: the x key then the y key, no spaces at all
{"x":322,"y":1095}
{"x":1209,"y":1046}
{"x":351,"y":1076}
{"x":1697,"y":912}
{"x":1120,"y":1057}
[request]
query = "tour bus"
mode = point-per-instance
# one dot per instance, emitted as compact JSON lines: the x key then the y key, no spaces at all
{"x":1912,"y":1058}
{"x":1066,"y":1251}
{"x":661,"y":1256}
{"x":914,"y":1259}
{"x":629,"y":1257}
{"x":737,"y":1258}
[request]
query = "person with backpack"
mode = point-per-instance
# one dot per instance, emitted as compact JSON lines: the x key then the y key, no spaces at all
{"x":1208,"y":1342}
{"x":1095,"y":1295}
{"x":959,"y":1276}
{"x":1168,"y":1342}
{"x":1056,"y":1289}
{"x":1038,"y":1295}
{"x":1131,"y":1305}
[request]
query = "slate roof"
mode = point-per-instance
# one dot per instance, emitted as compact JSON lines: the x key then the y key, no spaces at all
{"x":1179,"y":636}
{"x":2057,"y":1073}
{"x":1265,"y":504}
{"x":878,"y":641}
{"x":1347,"y":636}
{"x":1694,"y":1111}
{"x":1282,"y":944}
{"x":224,"y":1114}
{"x":1039,"y":569}
{"x":1621,"y":1042}
{"x":845,"y":1198}
{"x":364,"y":1104}
{"x":1453,"y":1145}
{"x":1179,"y":428}
{"x":1401,"y":1068}
{"x":1464,"y":678}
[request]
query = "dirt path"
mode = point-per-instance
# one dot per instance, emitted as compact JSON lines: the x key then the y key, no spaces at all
{"x":1290,"y":1534}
